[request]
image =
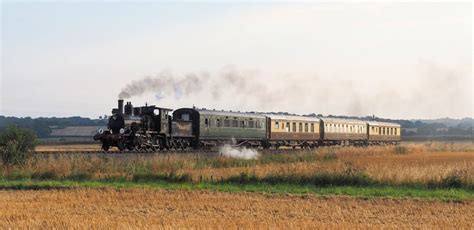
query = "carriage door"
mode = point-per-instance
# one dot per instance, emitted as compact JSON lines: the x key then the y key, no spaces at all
{"x":207,"y":123}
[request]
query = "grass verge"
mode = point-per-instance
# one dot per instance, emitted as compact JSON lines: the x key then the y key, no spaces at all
{"x":450,"y":194}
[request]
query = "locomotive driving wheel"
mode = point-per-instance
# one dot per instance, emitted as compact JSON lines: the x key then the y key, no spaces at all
{"x":105,"y":147}
{"x":120,"y":146}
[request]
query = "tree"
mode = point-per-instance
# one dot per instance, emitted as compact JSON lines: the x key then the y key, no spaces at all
{"x":16,"y":145}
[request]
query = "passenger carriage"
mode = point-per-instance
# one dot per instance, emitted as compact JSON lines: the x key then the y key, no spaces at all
{"x":293,"y":131}
{"x":337,"y":131}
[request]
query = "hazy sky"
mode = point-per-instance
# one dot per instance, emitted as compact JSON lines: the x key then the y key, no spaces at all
{"x":395,"y":60}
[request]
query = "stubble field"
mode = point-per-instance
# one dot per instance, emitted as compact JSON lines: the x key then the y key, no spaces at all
{"x":144,"y":208}
{"x":423,"y":185}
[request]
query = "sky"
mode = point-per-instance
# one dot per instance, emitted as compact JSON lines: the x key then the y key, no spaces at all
{"x":393,"y":60}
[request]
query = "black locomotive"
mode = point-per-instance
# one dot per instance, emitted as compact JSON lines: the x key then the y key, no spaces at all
{"x":144,"y":128}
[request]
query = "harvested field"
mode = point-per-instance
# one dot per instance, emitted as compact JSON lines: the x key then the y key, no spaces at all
{"x":142,"y":208}
{"x":68,"y":148}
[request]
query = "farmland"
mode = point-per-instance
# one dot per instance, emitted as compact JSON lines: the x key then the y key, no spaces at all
{"x":421,"y":185}
{"x":144,"y":208}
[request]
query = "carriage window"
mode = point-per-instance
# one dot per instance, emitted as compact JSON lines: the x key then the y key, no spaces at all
{"x":283,"y":126}
{"x":380,"y":130}
{"x":258,"y":124}
{"x":312,"y":127}
{"x":294,"y":127}
{"x":206,"y":122}
{"x":305,"y":127}
{"x":288,"y":126}
{"x":235,"y":123}
{"x":218,"y":122}
{"x":226,"y":123}
{"x":300,"y":127}
{"x":242,"y":124}
{"x":185,"y":116}
{"x":251,"y":124}
{"x":396,"y":130}
{"x":277,"y":125}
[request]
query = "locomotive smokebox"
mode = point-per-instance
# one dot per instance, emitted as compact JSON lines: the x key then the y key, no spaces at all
{"x":120,"y":107}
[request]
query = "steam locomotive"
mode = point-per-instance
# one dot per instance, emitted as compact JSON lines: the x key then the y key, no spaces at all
{"x":153,"y":128}
{"x":144,"y":128}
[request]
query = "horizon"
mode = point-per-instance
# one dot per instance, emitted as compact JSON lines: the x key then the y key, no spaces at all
{"x":392,"y":60}
{"x":266,"y":112}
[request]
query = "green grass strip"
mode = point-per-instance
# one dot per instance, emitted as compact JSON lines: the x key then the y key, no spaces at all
{"x":356,"y":191}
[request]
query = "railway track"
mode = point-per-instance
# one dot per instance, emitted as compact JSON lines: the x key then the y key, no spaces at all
{"x":119,"y":152}
{"x":211,"y":151}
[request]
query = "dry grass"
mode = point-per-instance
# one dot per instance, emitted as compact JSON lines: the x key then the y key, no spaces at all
{"x":418,"y":163}
{"x":137,"y":208}
{"x":71,"y":148}
{"x":154,"y":208}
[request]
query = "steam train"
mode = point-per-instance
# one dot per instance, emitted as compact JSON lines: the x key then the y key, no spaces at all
{"x":153,"y":128}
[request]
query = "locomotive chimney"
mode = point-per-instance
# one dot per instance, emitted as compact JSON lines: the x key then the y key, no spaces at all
{"x":120,"y":107}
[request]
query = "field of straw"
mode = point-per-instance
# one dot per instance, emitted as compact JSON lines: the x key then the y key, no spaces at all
{"x":71,"y":148}
{"x":420,"y":164}
{"x":142,"y":208}
{"x":411,"y":163}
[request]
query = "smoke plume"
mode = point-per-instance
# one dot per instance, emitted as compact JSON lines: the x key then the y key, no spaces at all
{"x":241,"y":86}
{"x":165,"y":83}
{"x":425,"y":86}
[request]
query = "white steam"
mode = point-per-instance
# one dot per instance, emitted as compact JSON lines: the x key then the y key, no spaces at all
{"x":237,"y":152}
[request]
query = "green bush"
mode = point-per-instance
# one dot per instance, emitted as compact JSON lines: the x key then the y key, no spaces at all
{"x":16,"y":145}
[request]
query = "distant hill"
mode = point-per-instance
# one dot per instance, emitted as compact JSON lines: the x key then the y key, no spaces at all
{"x":44,"y":126}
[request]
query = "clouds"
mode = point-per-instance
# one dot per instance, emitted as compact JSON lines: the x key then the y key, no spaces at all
{"x":290,"y":57}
